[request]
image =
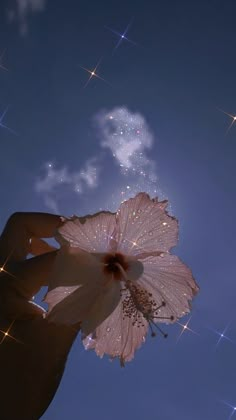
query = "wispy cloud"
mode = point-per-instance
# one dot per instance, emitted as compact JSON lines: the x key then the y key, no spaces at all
{"x":124,"y":136}
{"x":22,"y":10}
{"x":128,"y":137}
{"x":53,"y":179}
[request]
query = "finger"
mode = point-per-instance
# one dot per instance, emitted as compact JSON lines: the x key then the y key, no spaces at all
{"x":38,"y":247}
{"x":16,"y":307}
{"x":20,"y":228}
{"x":32,"y":274}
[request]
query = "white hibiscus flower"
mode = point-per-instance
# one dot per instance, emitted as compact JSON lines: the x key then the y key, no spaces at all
{"x":114,"y":274}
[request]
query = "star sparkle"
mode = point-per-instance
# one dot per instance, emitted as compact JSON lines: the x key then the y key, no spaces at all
{"x":221,"y":335}
{"x":6,"y":334}
{"x":233,"y":118}
{"x":1,"y":121}
{"x":122,"y":35}
{"x":1,"y":60}
{"x":185,"y":327}
{"x":2,"y":267}
{"x":93,"y":74}
{"x":233,"y":408}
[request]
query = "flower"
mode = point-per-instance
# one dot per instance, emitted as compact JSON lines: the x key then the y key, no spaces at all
{"x":115,"y":275}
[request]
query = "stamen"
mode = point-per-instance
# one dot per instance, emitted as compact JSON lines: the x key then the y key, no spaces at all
{"x":171,"y":318}
{"x":140,"y":305}
{"x":153,"y":334}
{"x":122,"y":361}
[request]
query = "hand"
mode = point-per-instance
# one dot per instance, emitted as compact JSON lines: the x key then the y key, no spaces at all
{"x":33,"y":352}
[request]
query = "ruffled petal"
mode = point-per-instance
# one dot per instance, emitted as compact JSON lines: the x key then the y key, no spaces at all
{"x":91,"y":233}
{"x":117,"y":336}
{"x":170,"y":281}
{"x":144,"y":226}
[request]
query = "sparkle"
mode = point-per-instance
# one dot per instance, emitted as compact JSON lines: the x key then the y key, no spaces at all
{"x":233,"y":118}
{"x":89,"y":342}
{"x":6,"y":334}
{"x":2,"y":267}
{"x":185,"y":328}
{"x":122,"y":35}
{"x":233,"y":407}
{"x":1,"y":58}
{"x":135,"y":243}
{"x":221,"y":335}
{"x":93,"y":73}
{"x":1,"y":121}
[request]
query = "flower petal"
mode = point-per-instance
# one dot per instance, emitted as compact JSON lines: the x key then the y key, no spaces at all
{"x":117,"y":337}
{"x":72,"y":269}
{"x":170,"y":281}
{"x":144,"y":226}
{"x":88,"y":304}
{"x":91,"y":233}
{"x":106,"y":302}
{"x":74,"y":307}
{"x":79,"y":291}
{"x":55,"y":296}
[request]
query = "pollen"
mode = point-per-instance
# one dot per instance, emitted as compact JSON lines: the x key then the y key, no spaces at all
{"x":139,"y":305}
{"x":141,"y":308}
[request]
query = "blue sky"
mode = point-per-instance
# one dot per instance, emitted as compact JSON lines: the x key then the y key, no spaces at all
{"x":174,"y":77}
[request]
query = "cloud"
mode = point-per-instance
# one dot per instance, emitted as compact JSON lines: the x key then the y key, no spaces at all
{"x":22,"y":10}
{"x":128,"y":138}
{"x":54,"y":179}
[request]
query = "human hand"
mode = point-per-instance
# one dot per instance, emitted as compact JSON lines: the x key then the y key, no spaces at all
{"x":33,"y":352}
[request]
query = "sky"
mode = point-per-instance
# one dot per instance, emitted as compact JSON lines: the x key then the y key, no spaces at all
{"x":152,"y":120}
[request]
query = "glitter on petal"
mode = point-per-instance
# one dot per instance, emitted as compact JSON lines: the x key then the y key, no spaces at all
{"x":116,"y":276}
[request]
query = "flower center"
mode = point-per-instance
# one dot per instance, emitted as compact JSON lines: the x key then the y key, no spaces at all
{"x":112,"y":263}
{"x":120,"y":267}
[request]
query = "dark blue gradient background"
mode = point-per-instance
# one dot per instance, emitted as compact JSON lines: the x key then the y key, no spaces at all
{"x":182,"y":69}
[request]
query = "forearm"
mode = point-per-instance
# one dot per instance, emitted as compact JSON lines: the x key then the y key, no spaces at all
{"x":31,"y":367}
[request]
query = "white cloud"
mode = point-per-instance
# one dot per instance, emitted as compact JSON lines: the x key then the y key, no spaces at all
{"x":22,"y":10}
{"x":55,"y":178}
{"x":128,"y":137}
{"x":89,"y":174}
